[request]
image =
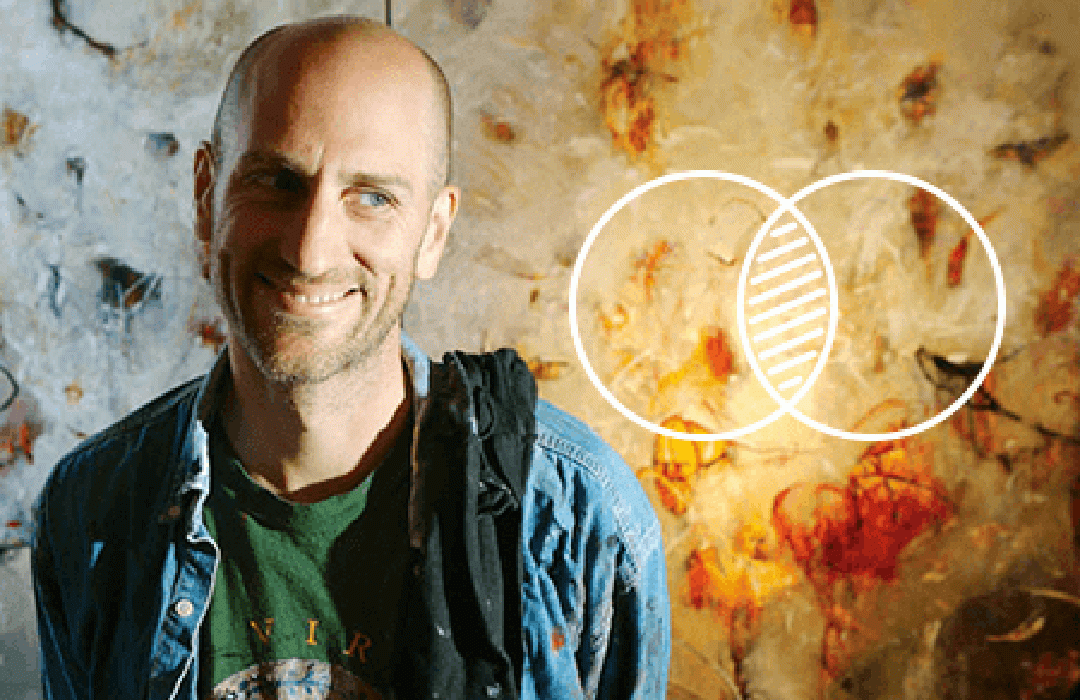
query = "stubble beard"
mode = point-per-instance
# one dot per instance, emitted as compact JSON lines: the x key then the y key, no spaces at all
{"x":307,"y":369}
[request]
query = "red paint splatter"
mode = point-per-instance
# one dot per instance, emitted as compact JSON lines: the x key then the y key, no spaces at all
{"x":16,"y":440}
{"x":978,"y":427}
{"x":803,"y":15}
{"x":855,"y":532}
{"x":648,"y":264}
{"x":924,"y":209}
{"x":861,"y":528}
{"x":1054,"y":310}
{"x":918,"y":93}
{"x":718,"y":353}
{"x":954,"y":273}
{"x":635,"y":66}
{"x":497,"y":130}
{"x":209,"y":333}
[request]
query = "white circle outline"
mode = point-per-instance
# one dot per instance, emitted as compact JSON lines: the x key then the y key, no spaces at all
{"x":998,"y":333}
{"x":784,"y":204}
{"x":788,"y":205}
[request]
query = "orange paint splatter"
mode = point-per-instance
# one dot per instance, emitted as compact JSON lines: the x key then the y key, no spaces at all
{"x":26,"y":442}
{"x":832,"y":132}
{"x":209,"y":333}
{"x":803,"y":16}
{"x":721,"y":361}
{"x":15,"y":440}
{"x":16,"y":126}
{"x":546,"y":370}
{"x":74,"y":393}
{"x":649,"y":263}
{"x":708,"y":368}
{"x":497,"y":130}
{"x":954,"y":272}
{"x":704,"y":575}
{"x":1055,"y":308}
{"x":924,"y":208}
{"x":736,"y":581}
{"x":180,"y":18}
{"x":918,"y":93}
{"x":635,"y":64}
{"x":979,"y":427}
{"x":676,"y":463}
{"x":558,"y":640}
{"x":616,"y":320}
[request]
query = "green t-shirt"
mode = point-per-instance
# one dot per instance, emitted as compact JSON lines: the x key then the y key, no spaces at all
{"x":307,"y":597}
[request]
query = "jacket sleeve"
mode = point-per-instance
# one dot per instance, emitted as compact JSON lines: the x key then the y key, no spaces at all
{"x":63,"y":673}
{"x":639,"y":650}
{"x":596,"y":614}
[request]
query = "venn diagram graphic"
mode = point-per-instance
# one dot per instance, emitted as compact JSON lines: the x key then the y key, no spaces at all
{"x":787,"y":304}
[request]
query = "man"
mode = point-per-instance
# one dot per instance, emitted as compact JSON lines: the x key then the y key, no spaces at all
{"x":328,"y":513}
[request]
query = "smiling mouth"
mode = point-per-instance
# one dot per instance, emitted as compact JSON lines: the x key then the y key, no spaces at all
{"x":322,"y":299}
{"x":309,"y":298}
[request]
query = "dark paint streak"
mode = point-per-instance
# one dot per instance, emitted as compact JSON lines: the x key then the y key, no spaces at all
{"x":61,"y":24}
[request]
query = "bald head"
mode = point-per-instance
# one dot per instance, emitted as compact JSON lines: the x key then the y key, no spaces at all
{"x":309,"y":38}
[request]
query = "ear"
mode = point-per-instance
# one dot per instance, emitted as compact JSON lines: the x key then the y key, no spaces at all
{"x":204,"y":198}
{"x":443,"y":211}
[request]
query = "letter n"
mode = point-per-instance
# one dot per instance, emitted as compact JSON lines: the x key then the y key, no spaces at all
{"x":264,"y":631}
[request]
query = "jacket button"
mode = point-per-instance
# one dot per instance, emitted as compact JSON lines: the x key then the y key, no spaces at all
{"x":184,"y":608}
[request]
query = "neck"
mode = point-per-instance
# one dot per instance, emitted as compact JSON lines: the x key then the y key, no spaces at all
{"x":306,"y":443}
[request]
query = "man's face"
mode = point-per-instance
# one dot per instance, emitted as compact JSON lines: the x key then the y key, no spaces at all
{"x":324,"y":212}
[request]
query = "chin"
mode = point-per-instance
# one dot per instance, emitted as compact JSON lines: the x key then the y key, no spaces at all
{"x":315,"y":363}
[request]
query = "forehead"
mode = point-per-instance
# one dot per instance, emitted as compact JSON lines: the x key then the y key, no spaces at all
{"x":312,"y":91}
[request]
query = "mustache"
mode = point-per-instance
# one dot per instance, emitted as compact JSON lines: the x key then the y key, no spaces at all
{"x":291,"y":279}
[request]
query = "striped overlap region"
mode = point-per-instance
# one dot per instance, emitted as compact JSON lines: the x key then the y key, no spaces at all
{"x":786,"y":300}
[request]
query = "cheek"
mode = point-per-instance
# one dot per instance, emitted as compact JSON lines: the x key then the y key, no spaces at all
{"x":393,"y":249}
{"x":242,"y":233}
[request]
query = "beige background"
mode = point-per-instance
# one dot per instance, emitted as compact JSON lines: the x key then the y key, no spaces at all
{"x":979,"y":600}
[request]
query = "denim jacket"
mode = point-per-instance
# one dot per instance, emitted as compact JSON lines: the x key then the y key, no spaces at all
{"x":123,"y":566}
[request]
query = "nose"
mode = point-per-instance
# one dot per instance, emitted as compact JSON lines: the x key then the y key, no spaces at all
{"x":315,"y":242}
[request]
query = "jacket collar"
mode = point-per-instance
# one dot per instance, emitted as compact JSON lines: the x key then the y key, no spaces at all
{"x":193,"y":474}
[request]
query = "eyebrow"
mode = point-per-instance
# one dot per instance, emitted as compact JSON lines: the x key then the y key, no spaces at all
{"x":256,"y":159}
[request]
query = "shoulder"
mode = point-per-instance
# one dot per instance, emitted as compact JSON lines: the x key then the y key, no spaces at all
{"x":585,"y":483}
{"x":131,"y":456}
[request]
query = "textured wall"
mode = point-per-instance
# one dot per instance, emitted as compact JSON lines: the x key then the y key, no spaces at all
{"x":801,"y":565}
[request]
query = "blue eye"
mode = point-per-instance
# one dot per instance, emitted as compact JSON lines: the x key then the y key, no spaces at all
{"x":368,"y":200}
{"x":375,"y":199}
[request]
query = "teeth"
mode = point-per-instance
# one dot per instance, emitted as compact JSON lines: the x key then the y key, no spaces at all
{"x":319,"y":300}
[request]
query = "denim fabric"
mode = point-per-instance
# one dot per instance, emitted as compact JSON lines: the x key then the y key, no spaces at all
{"x":123,"y":566}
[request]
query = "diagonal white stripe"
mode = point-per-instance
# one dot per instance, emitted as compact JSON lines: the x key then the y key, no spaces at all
{"x":788,"y":364}
{"x":786,"y":267}
{"x":777,"y":232}
{"x":777,"y":330}
{"x":787,"y":345}
{"x":789,"y":384}
{"x":786,"y":286}
{"x":787,"y":306}
{"x":786,"y":248}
